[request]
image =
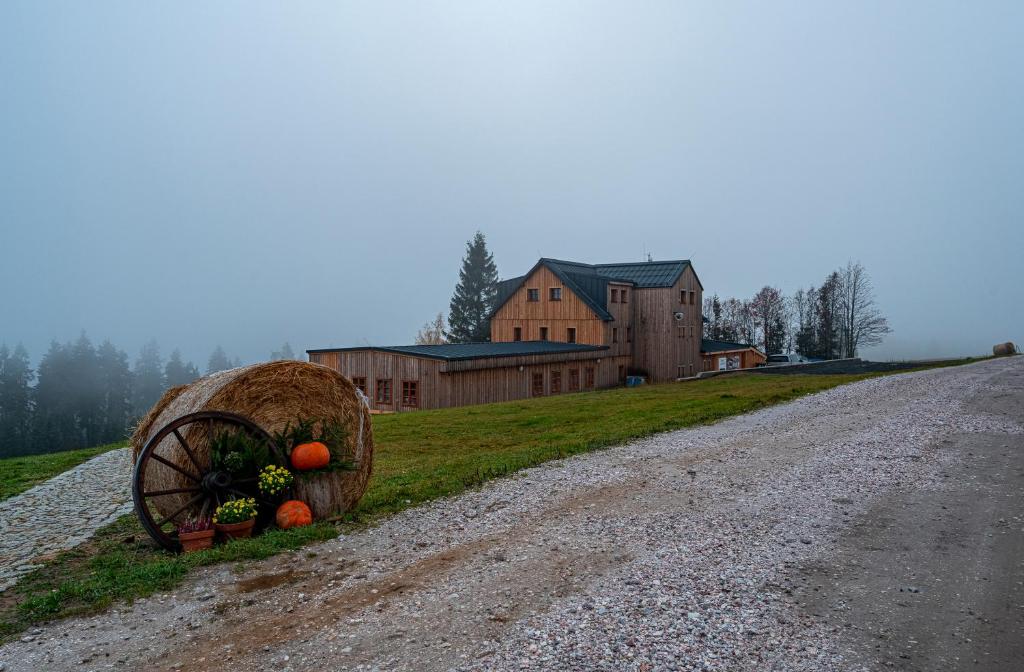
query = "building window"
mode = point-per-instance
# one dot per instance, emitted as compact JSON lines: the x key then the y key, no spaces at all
{"x":629,"y":334}
{"x":588,"y":381}
{"x":410,"y":393}
{"x":615,"y":296}
{"x":615,"y":334}
{"x":533,"y":295}
{"x":543,"y":333}
{"x":360,"y":383}
{"x":555,"y":294}
{"x":517,"y":333}
{"x":570,"y":335}
{"x":622,"y":296}
{"x":538,"y":385}
{"x":692,"y":296}
{"x":383,"y":391}
{"x":574,"y":380}
{"x":682,"y":296}
{"x":556,"y":382}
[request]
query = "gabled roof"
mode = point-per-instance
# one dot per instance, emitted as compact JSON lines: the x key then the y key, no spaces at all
{"x":708,"y":345}
{"x":590,"y":281}
{"x":462,"y":351}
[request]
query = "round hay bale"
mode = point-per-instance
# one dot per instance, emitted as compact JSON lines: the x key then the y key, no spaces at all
{"x":272,"y":395}
{"x":1004,"y":349}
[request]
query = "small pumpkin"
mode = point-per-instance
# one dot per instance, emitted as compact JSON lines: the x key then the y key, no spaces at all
{"x":313,"y":455}
{"x":293,"y":513}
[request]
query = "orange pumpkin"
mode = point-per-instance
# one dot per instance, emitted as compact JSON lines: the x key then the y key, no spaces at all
{"x":293,"y":513}
{"x":308,"y":456}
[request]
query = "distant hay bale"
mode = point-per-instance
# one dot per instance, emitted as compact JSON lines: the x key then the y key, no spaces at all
{"x":1004,"y":349}
{"x":272,"y":395}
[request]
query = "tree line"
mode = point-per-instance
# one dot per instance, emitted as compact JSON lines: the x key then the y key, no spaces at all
{"x":833,"y":320}
{"x":81,"y":395}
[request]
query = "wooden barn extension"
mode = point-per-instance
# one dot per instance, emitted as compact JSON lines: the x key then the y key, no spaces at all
{"x":406,"y":378}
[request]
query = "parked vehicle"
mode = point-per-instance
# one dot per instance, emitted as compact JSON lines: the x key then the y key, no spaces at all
{"x":783,"y":359}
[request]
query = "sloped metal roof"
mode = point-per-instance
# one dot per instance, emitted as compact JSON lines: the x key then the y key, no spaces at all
{"x":708,"y":345}
{"x":590,"y":281}
{"x":463,"y":351}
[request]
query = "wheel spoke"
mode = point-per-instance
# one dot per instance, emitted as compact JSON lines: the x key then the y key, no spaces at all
{"x":188,"y":450}
{"x":172,"y":465}
{"x":184,"y":506}
{"x":175,"y":491}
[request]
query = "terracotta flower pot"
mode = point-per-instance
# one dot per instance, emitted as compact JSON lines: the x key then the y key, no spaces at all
{"x":196,"y":541}
{"x":236,"y":530}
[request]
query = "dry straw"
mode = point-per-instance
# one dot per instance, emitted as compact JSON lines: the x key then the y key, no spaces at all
{"x":271,"y":395}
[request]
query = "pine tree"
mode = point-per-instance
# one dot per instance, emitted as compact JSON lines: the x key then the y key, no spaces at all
{"x":474,"y":295}
{"x":218,"y":361}
{"x":54,"y":426}
{"x":115,"y":383}
{"x":86,"y":395}
{"x":148,"y":378}
{"x":177,"y":372}
{"x":15,"y":401}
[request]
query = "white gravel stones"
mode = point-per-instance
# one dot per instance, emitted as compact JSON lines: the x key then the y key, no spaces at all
{"x":62,"y":512}
{"x":708,"y":590}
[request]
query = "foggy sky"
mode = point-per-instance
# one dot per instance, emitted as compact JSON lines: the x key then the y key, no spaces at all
{"x":253,"y":173}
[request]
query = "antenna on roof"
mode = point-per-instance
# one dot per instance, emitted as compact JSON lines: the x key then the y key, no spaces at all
{"x":649,"y":258}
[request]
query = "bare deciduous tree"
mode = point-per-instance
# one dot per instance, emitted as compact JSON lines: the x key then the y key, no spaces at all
{"x":862,"y":323}
{"x":768,"y":311}
{"x":432,"y":333}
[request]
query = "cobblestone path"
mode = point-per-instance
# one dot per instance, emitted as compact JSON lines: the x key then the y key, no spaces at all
{"x":62,"y":512}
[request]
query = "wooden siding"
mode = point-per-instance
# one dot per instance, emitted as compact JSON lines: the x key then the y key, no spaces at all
{"x":664,"y":348}
{"x":557,"y":316}
{"x":438,"y":389}
{"x":749,"y":358}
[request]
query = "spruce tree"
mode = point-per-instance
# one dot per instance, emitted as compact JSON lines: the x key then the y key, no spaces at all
{"x":148,"y":378}
{"x":218,"y":361}
{"x":177,"y":372}
{"x":115,"y":382}
{"x":474,"y":295}
{"x":15,"y":401}
{"x":54,"y":427}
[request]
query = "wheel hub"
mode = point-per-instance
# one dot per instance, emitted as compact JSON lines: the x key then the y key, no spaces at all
{"x":216,"y":481}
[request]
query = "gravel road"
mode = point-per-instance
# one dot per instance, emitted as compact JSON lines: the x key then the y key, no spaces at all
{"x":879,"y":525}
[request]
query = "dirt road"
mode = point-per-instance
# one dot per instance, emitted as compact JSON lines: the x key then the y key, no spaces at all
{"x":879,"y":525}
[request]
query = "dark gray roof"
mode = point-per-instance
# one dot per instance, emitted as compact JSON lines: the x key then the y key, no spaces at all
{"x":708,"y":345}
{"x":462,"y":351}
{"x":590,"y":281}
{"x":506,"y":288}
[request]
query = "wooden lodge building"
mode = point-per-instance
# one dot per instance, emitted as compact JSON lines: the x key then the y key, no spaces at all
{"x":562,"y":327}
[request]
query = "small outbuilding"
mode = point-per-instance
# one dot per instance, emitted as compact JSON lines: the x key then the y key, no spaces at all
{"x":727,"y":356}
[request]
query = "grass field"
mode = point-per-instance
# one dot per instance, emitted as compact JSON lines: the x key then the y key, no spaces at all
{"x":419,"y":456}
{"x":18,"y":474}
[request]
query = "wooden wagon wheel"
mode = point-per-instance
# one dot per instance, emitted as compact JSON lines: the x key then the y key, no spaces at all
{"x":205,"y":487}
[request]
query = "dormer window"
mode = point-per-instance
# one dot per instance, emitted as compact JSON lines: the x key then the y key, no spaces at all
{"x":622,"y":295}
{"x":615,"y":296}
{"x":555,"y":294}
{"x":532,"y":294}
